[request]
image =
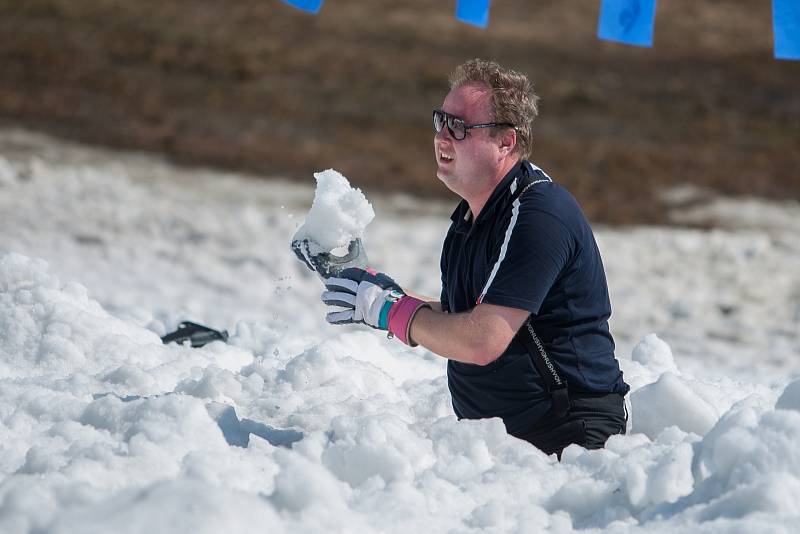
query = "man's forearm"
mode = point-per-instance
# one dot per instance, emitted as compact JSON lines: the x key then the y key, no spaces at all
{"x":477,"y":337}
{"x":445,"y":334}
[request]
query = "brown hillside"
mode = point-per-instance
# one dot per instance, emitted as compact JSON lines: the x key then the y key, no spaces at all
{"x":258,"y":85}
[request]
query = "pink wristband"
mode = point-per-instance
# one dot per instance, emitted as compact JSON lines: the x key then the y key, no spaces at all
{"x":400,"y":316}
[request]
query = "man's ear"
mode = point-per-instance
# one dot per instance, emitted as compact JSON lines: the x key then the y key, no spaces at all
{"x":507,"y":141}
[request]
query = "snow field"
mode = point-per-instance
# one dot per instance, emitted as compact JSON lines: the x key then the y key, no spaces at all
{"x":298,"y":426}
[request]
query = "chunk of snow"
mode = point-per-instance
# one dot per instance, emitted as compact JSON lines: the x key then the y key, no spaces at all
{"x":670,"y":401}
{"x":338,"y":215}
{"x":654,"y":354}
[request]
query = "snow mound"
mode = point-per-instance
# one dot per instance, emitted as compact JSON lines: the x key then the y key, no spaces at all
{"x":338,"y":214}
{"x":105,"y":429}
{"x":171,"y":506}
{"x":89,"y":404}
{"x":50,"y":329}
{"x":748,"y":465}
{"x":790,"y":398}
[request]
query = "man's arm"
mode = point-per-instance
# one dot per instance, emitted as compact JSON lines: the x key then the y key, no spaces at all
{"x":478,"y":336}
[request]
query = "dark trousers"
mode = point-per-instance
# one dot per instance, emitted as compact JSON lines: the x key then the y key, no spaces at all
{"x":592,"y":418}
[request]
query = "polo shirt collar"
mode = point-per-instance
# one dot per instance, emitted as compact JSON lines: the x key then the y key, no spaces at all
{"x":462,"y":216}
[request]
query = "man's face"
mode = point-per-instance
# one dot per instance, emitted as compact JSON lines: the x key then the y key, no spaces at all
{"x":467,"y":167}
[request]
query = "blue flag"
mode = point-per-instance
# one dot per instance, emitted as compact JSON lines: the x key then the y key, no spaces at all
{"x":786,"y":27}
{"x":627,"y":21}
{"x":312,"y":6}
{"x":475,"y":12}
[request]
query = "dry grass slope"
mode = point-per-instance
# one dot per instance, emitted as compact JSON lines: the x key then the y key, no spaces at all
{"x":258,"y":85}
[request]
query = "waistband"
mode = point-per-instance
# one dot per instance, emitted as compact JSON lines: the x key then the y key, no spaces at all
{"x":585,"y":405}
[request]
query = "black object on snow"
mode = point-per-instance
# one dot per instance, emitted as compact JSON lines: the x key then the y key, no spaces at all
{"x":197,"y":334}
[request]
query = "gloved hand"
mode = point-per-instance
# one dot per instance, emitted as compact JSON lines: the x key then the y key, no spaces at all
{"x":325,"y":263}
{"x":371,"y":298}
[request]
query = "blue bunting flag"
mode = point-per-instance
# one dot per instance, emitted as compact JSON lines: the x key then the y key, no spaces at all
{"x":475,"y":12}
{"x":786,"y":27}
{"x":627,"y":21}
{"x":312,"y":6}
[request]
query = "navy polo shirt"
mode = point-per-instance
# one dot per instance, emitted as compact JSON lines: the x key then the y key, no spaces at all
{"x":536,"y":254}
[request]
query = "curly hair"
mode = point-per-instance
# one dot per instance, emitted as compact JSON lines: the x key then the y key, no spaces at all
{"x":513,"y":98}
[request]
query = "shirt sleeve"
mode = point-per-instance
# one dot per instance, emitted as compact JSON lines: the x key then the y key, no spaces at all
{"x":536,"y":248}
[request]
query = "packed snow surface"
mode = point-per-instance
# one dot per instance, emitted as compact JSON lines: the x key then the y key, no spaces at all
{"x":299,"y":426}
{"x":338,"y":215}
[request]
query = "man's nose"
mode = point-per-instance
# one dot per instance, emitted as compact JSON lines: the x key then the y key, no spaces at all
{"x":443,"y":134}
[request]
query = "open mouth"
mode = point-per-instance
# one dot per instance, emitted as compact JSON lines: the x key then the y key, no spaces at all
{"x":445,"y":158}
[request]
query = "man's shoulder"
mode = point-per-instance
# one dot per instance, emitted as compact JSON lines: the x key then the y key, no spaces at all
{"x":549,"y":199}
{"x":549,"y":205}
{"x":540,"y":194}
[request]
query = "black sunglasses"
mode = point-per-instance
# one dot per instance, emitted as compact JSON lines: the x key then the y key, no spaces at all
{"x":456,"y":126}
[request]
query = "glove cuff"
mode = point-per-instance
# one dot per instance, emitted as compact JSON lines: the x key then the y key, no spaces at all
{"x":400,"y":316}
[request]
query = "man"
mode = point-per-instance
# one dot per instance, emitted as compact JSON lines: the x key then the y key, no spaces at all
{"x":523,"y":314}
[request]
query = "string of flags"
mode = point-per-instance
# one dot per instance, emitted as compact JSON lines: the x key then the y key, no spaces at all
{"x":629,"y":21}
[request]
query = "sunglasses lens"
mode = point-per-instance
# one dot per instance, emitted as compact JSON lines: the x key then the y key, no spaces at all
{"x":456,"y":128}
{"x":438,"y":120}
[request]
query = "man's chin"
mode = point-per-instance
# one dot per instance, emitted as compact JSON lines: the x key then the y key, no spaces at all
{"x":444,"y":175}
{"x":448,"y":180}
